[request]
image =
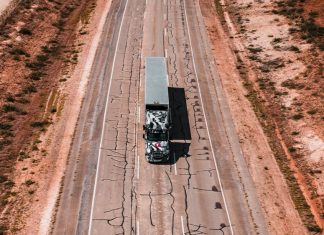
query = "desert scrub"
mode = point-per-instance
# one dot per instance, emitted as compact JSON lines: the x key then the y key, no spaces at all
{"x":29,"y":89}
{"x":25,"y":31}
{"x":10,"y":108}
{"x":39,"y":124}
{"x":29,"y":182}
{"x":297,"y":116}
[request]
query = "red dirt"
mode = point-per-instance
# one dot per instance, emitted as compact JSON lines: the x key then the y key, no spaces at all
{"x":36,"y":44}
{"x":300,"y":144}
{"x":315,"y":6}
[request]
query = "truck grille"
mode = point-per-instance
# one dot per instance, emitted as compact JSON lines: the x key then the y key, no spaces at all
{"x":157,"y":155}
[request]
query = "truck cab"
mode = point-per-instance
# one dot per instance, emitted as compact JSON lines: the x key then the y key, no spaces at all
{"x":157,"y":135}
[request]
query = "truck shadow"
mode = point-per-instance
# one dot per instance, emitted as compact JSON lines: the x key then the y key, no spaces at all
{"x":179,"y":115}
{"x":180,"y":134}
{"x":177,"y":150}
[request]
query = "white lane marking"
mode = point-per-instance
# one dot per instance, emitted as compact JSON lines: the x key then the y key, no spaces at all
{"x":175,"y":164}
{"x":137,"y":228}
{"x":104,"y":121}
{"x":139,"y":114}
{"x":138,"y":167}
{"x":164,"y":2}
{"x":164,"y":16}
{"x":208,"y":133}
{"x":165,"y":32}
{"x":182,"y":226}
{"x":166,"y":53}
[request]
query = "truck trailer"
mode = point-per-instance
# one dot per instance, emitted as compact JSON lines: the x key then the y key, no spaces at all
{"x":157,"y":110}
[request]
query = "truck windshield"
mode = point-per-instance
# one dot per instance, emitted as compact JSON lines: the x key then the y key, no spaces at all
{"x":157,"y":136}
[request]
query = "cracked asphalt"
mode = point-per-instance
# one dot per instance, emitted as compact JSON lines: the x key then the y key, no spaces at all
{"x":109,"y":188}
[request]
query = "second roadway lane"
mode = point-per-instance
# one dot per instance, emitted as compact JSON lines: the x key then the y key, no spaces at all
{"x":205,"y":189}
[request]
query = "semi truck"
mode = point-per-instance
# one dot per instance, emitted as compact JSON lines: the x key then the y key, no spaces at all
{"x":157,"y":110}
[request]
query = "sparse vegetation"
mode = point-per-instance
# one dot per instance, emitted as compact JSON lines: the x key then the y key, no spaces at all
{"x":276,"y":40}
{"x":29,"y":182}
{"x":25,"y":31}
{"x":10,"y":98}
{"x":5,"y":126}
{"x":294,"y":48}
{"x":29,"y":89}
{"x":292,"y":149}
{"x":254,"y":49}
{"x":10,"y":108}
{"x":18,"y":36}
{"x":297,"y":116}
{"x":292,"y":84}
{"x":39,"y":124}
{"x":312,"y":111}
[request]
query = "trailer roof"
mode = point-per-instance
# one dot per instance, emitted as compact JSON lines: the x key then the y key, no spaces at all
{"x":156,"y":81}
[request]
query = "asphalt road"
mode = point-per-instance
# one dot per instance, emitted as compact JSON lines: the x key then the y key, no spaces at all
{"x":109,"y":188}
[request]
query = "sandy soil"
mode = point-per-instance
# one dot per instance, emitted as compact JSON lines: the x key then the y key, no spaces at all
{"x":272,"y":189}
{"x":30,"y":200}
{"x":288,"y":63}
{"x":4,"y":4}
{"x":63,"y":135}
{"x":58,"y":138}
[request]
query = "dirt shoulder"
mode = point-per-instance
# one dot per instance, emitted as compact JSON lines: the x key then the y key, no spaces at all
{"x":256,"y":53}
{"x":44,"y":71}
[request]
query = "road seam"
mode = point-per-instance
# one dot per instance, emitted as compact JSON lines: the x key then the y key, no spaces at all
{"x":104,"y":121}
{"x":208,"y":133}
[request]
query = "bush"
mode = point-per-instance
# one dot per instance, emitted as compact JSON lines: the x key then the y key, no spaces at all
{"x":29,"y":89}
{"x":294,"y":48}
{"x":10,"y":98}
{"x":297,"y":116}
{"x":36,"y":75}
{"x":292,"y":85}
{"x":25,"y":31}
{"x":3,"y":178}
{"x":292,"y":149}
{"x":312,"y":111}
{"x":255,"y":49}
{"x":314,"y":228}
{"x":23,"y":101}
{"x":18,"y":51}
{"x":10,"y":108}
{"x":276,"y":40}
{"x":59,"y":24}
{"x":39,"y":124}
{"x":29,"y":182}
{"x":4,"y":126}
{"x":35,"y":65}
{"x":53,"y":110}
{"x":312,"y":29}
{"x":42,"y":58}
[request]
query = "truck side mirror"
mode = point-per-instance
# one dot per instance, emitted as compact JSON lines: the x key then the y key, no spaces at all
{"x":143,"y":136}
